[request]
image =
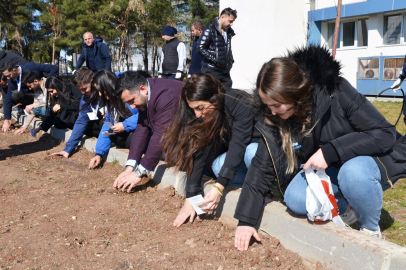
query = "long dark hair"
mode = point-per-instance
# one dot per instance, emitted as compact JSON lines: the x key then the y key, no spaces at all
{"x":284,"y":81}
{"x":63,"y":88}
{"x":104,"y":82}
{"x":187,"y":134}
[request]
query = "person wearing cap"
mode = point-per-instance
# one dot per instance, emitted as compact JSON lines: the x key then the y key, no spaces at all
{"x":173,"y":60}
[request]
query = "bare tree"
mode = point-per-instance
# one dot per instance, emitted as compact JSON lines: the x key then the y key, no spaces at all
{"x":55,"y":23}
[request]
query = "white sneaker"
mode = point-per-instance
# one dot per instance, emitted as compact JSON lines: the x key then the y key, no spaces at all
{"x":349,"y":216}
{"x":376,"y":234}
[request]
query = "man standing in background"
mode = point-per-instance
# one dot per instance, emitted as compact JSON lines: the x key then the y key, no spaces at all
{"x":94,"y":53}
{"x":196,"y":64}
{"x":173,"y":60}
{"x":215,"y":47}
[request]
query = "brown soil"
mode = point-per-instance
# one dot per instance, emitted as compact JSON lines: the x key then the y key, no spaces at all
{"x":55,"y":213}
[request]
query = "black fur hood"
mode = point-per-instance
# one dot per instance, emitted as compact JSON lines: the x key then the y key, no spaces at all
{"x":319,"y":65}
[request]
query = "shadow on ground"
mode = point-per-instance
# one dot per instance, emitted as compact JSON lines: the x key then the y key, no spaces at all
{"x":46,"y":142}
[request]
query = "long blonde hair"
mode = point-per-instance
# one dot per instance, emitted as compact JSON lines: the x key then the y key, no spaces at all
{"x":284,"y":81}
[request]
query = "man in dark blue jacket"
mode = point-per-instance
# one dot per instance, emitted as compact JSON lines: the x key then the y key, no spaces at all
{"x":215,"y":47}
{"x":94,"y":53}
{"x":196,"y":64}
{"x":14,"y":74}
{"x":13,"y":57}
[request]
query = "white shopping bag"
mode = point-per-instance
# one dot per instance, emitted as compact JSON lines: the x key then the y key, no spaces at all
{"x":320,"y":201}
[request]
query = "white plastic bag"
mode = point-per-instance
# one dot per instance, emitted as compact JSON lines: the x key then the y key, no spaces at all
{"x":320,"y":201}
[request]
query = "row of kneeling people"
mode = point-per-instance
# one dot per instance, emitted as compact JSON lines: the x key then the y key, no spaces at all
{"x":302,"y":112}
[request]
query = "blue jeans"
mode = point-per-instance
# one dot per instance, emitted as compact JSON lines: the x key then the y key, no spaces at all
{"x":40,"y":111}
{"x":357,"y":182}
{"x":239,"y":177}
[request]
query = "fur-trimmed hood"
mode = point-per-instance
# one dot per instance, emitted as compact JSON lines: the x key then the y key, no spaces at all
{"x":319,"y":65}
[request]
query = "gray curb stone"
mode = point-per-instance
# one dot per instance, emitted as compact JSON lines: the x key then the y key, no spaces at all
{"x":333,"y":246}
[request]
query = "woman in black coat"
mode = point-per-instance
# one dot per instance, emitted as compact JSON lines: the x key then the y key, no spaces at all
{"x":312,"y":116}
{"x":63,"y":100}
{"x":212,"y":131}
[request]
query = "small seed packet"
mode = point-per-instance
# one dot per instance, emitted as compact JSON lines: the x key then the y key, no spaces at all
{"x":195,"y":201}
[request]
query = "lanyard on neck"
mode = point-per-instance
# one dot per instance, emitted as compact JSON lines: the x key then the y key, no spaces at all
{"x":95,"y":110}
{"x":19,"y":81}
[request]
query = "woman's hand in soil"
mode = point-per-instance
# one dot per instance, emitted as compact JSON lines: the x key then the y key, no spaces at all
{"x":60,"y":153}
{"x":56,"y":108}
{"x":19,"y":131}
{"x":243,"y":236}
{"x":212,"y":199}
{"x":94,"y":162}
{"x":316,"y":162}
{"x":6,"y":125}
{"x":186,"y":212}
{"x":118,"y":128}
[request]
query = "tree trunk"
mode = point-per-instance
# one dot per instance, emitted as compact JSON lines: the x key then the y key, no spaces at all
{"x":153,"y":56}
{"x":53,"y":51}
{"x":145,"y":55}
{"x":337,"y":28}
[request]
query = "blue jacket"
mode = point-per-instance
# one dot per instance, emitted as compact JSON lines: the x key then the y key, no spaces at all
{"x":80,"y":126}
{"x":101,"y":55}
{"x":196,"y":64}
{"x":103,"y":142}
{"x":40,"y":69}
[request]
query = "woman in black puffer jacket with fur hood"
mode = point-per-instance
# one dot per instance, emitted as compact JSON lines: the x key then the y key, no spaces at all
{"x":313,"y":116}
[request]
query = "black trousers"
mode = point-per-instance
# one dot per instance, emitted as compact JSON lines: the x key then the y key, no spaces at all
{"x":224,"y":78}
{"x":54,"y":120}
{"x":122,"y":139}
{"x":94,"y":127}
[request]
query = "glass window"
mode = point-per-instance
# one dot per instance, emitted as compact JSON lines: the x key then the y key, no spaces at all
{"x":392,"y":68}
{"x":392,"y":26}
{"x":368,"y":68}
{"x":330,"y":34}
{"x":362,"y":35}
{"x":348,"y":34}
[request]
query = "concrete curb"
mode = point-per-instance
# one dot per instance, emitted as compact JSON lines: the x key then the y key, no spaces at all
{"x":335,"y":247}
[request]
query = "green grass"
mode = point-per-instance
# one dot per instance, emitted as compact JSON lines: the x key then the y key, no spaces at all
{"x":393,"y":218}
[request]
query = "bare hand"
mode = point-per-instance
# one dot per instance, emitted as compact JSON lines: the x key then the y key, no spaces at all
{"x":127,"y":181}
{"x":118,"y":128}
{"x":316,"y":162}
{"x":212,"y":199}
{"x":6,"y":125}
{"x":186,"y":212}
{"x":19,"y":131}
{"x":94,"y":162}
{"x":60,"y":153}
{"x":127,"y":171}
{"x":243,"y":236}
{"x":56,"y":108}
{"x":28,"y":108}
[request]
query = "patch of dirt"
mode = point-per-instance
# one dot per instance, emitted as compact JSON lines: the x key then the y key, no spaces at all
{"x":55,"y":213}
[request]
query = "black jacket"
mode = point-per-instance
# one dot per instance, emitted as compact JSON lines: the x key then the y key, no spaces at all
{"x":349,"y":126}
{"x":241,"y":120}
{"x":215,"y":51}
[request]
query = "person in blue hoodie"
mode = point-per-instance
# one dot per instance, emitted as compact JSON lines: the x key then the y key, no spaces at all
{"x":14,"y":73}
{"x":94,"y":53}
{"x":90,"y":119}
{"x":120,"y":119}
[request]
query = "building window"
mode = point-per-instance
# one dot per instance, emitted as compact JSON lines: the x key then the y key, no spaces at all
{"x":368,"y":69}
{"x":348,"y":34}
{"x":330,"y":34}
{"x":362,"y":35}
{"x":392,"y":29}
{"x":392,"y":67}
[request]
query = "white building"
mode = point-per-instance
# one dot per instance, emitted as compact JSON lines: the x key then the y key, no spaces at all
{"x":371,"y":46}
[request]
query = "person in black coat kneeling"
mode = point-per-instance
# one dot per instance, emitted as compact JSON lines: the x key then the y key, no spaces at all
{"x":63,"y":104}
{"x":313,"y":116}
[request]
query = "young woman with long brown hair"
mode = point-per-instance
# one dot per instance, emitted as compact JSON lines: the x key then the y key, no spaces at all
{"x":311,"y":115}
{"x":213,"y":130}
